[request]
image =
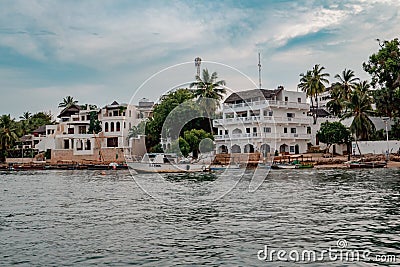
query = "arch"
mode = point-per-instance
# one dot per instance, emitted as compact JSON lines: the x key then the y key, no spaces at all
{"x":284,"y":148}
{"x":249,"y":148}
{"x":223,"y":149}
{"x":265,"y":149}
{"x":118,"y":126}
{"x":106,"y":127}
{"x":236,"y":149}
{"x":112,"y":127}
{"x":237,"y":131}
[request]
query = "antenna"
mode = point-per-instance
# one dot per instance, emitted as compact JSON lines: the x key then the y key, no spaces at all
{"x":197,"y":63}
{"x":259,"y":69}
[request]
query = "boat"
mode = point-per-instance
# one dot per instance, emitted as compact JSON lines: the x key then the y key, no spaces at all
{"x":362,"y":164}
{"x":296,"y":164}
{"x":165,"y":163}
{"x":233,"y":166}
{"x":283,"y":166}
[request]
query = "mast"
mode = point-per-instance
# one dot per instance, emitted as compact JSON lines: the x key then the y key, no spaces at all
{"x":197,"y":63}
{"x":259,"y":70}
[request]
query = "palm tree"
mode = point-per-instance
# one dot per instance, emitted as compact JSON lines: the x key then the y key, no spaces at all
{"x":305,"y":86}
{"x":347,"y":82}
{"x":8,"y":134}
{"x":319,"y":80}
{"x":26,"y":116}
{"x":209,"y":92}
{"x":313,"y":83}
{"x":67,"y":102}
{"x":335,"y":105}
{"x":359,"y":107}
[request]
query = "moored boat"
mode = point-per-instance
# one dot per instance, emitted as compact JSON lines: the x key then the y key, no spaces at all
{"x":361,"y":164}
{"x":165,"y":163}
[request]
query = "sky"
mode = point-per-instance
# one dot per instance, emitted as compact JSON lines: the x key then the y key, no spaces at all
{"x":99,"y":51}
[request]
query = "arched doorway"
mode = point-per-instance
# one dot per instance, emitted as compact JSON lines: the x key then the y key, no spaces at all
{"x":236,"y":149}
{"x":223,"y":149}
{"x":249,"y":148}
{"x":284,"y":148}
{"x":265,"y":149}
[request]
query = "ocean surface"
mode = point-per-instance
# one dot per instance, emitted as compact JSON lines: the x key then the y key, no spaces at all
{"x":84,"y":218}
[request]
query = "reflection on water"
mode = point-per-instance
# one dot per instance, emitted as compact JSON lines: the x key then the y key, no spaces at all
{"x":85,"y":218}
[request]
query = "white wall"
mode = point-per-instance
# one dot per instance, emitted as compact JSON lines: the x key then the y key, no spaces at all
{"x":376,"y":147}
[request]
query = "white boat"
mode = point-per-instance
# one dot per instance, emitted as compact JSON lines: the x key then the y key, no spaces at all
{"x":165,"y":163}
{"x":232,"y":166}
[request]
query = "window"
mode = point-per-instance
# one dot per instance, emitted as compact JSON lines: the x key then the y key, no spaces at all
{"x":267,"y":129}
{"x":299,"y":100}
{"x":88,"y":145}
{"x":226,"y":132}
{"x":124,"y":125}
{"x":66,"y":144}
{"x":112,"y":127}
{"x":286,"y":99}
{"x":220,"y":132}
{"x":293,"y":130}
{"x":254,"y":129}
{"x":112,"y":142}
{"x":308,"y":130}
{"x":247,"y":130}
{"x":285,"y":130}
{"x":290,"y":115}
{"x":71,"y":130}
{"x":106,"y":127}
{"x":268,"y":112}
{"x":291,"y":149}
{"x":118,"y":126}
{"x":82,"y":129}
{"x":115,"y":112}
{"x":83,"y":118}
{"x":130,"y":113}
{"x":79,"y":145}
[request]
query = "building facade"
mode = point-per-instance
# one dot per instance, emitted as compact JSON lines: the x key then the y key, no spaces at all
{"x":265,"y":121}
{"x":70,"y":139}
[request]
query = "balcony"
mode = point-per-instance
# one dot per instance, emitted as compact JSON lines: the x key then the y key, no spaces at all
{"x":258,"y":119}
{"x":294,"y":136}
{"x":267,"y":103}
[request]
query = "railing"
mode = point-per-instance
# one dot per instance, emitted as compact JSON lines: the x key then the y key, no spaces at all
{"x":271,"y":103}
{"x":263,"y":135}
{"x":270,"y":119}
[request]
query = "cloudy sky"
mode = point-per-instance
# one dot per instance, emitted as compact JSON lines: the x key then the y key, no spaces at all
{"x":98,"y":51}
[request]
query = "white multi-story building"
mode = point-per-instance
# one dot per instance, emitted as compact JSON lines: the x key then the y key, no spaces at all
{"x":70,"y":138}
{"x":265,"y":121}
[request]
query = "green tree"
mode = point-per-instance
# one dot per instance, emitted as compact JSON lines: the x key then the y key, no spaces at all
{"x":137,"y":130}
{"x":209,"y":91}
{"x":335,"y":105}
{"x":180,"y":147}
{"x":347,"y":82}
{"x":8,"y":135}
{"x":359,"y":108}
{"x":333,"y":133}
{"x":67,"y":102}
{"x":94,"y":124}
{"x":154,"y":125}
{"x":194,"y":138}
{"x":384,"y":68}
{"x":313,"y":83}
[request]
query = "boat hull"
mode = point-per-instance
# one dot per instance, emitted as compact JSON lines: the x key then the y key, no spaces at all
{"x":140,"y":167}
